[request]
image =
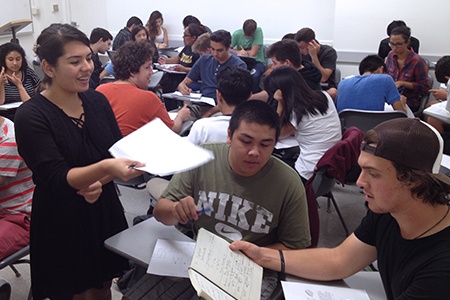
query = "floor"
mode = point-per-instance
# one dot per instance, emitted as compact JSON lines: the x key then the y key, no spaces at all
{"x":135,"y":202}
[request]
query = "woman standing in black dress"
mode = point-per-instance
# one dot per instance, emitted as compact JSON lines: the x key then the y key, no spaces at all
{"x":64,"y":135}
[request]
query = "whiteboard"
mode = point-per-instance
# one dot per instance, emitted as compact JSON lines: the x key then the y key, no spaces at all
{"x":12,"y":10}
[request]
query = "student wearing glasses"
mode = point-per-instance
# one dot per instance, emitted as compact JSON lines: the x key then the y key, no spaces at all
{"x":184,"y":61}
{"x":408,"y":69}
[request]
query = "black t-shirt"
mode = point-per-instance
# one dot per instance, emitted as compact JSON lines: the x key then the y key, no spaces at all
{"x":410,"y":269}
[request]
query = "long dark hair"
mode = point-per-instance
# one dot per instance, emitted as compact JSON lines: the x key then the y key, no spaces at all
{"x":298,"y":97}
{"x":7,"y":48}
{"x":151,"y":24}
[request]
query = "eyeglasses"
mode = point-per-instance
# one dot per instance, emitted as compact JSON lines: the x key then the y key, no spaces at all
{"x":397,"y":45}
{"x":186,"y":35}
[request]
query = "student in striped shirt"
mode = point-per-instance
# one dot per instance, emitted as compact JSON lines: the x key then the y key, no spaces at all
{"x":16,"y":192}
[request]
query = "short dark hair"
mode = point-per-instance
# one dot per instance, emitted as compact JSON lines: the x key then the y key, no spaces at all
{"x":393,"y":24}
{"x":249,"y":27}
{"x":99,"y":33}
{"x":422,"y":184}
{"x":286,"y":49}
{"x":221,"y":36}
{"x":235,"y":84}
{"x":7,"y":48}
{"x":305,"y":35}
{"x":190,"y":19}
{"x":404,"y":31}
{"x":195,"y":29}
{"x":442,"y":69}
{"x":135,"y":31}
{"x":255,"y":111}
{"x":52,"y":40}
{"x":371,"y":63}
{"x":134,"y":21}
{"x":130,"y":57}
{"x":289,"y":36}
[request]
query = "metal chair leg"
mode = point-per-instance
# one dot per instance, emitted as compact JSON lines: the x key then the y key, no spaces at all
{"x":15,"y":271}
{"x":330,"y":196}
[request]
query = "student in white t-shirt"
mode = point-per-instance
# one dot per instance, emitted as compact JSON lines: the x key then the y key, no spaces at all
{"x":308,"y":115}
{"x":234,"y":86}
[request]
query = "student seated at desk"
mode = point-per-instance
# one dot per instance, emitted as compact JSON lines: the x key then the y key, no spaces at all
{"x":407,"y":226}
{"x":184,"y":61}
{"x":322,"y":56}
{"x":124,"y":35}
{"x":205,"y":70}
{"x":248,"y":41}
{"x":132,"y":105}
{"x":385,"y":48}
{"x":192,"y":19}
{"x":308,"y":115}
{"x":234,"y":86}
{"x":237,"y":189}
{"x":408,"y":69}
{"x":158,"y":34}
{"x":16,"y":193}
{"x":100,"y":42}
{"x":371,"y":89}
{"x":18,"y":82}
{"x":139,"y":33}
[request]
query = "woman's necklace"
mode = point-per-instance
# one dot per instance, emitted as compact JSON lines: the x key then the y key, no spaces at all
{"x":439,"y":222}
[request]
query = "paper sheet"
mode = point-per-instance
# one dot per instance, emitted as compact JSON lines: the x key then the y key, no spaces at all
{"x":171,"y":258}
{"x":163,"y":151}
{"x":307,"y":291}
{"x":194,"y":97}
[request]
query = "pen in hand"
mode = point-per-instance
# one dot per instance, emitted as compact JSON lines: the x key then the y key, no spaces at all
{"x":132,"y":165}
{"x":203,"y":211}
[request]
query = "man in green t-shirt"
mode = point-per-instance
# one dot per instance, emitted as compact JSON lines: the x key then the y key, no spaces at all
{"x":243,"y":194}
{"x":248,"y":44}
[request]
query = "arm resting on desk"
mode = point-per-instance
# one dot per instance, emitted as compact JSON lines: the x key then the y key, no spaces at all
{"x":318,"y":264}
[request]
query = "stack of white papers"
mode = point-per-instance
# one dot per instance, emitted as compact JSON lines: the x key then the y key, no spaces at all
{"x":163,"y":151}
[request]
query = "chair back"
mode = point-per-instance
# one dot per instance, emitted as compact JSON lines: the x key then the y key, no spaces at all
{"x":365,"y":120}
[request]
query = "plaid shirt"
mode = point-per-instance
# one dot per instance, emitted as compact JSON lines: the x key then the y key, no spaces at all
{"x":415,"y":71}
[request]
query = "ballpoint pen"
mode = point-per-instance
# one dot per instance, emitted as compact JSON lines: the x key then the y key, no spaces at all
{"x":202,"y":211}
{"x":132,"y":165}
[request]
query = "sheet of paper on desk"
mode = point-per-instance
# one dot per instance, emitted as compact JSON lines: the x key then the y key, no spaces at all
{"x":163,"y":151}
{"x":171,"y":258}
{"x":191,"y":95}
{"x":195,"y":97}
{"x":307,"y":291}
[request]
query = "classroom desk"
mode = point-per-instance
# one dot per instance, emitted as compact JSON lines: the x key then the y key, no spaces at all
{"x":137,"y":242}
{"x":365,"y":280}
{"x":438,"y":111}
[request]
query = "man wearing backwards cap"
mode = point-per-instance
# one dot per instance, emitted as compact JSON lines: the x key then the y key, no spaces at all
{"x":407,"y":226}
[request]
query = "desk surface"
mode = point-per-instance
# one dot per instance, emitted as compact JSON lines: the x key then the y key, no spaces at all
{"x":368,"y":281}
{"x":137,"y":242}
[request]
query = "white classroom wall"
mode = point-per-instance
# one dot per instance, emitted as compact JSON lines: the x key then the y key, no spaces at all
{"x":353,"y":27}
